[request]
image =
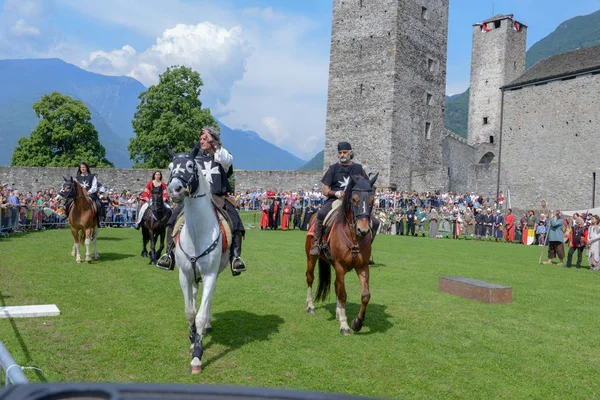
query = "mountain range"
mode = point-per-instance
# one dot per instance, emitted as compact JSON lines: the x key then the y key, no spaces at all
{"x":112,"y":101}
{"x":575,"y":33}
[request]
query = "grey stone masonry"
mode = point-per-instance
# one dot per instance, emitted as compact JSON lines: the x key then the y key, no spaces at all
{"x":498,"y":57}
{"x":134,"y":180}
{"x":387,"y":81}
{"x":549,"y":144}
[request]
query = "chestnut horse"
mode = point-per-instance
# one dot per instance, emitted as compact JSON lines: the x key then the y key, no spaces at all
{"x":349,"y":242}
{"x":83,"y":220}
{"x":154,"y":224}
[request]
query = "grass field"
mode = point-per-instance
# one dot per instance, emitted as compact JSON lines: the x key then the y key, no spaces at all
{"x":122,"y":320}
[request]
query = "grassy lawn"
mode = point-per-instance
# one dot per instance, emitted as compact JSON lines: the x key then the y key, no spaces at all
{"x":122,"y":320}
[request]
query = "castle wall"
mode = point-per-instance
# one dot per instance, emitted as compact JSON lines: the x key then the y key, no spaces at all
{"x":386,"y":58}
{"x":134,"y":180}
{"x":498,"y":57}
{"x":550,"y":142}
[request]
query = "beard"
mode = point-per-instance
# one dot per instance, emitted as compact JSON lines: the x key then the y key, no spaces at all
{"x":344,"y":159}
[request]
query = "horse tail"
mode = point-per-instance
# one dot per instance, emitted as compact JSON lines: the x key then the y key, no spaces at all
{"x":324,"y":280}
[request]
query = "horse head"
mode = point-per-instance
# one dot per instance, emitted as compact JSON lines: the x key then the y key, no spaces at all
{"x":68,"y":189}
{"x":185,"y":179}
{"x":358,"y":201}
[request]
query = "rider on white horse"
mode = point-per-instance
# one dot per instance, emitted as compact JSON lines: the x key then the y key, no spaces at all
{"x":216,"y":165}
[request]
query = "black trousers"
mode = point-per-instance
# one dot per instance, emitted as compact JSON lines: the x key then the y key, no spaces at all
{"x":410,"y":229}
{"x":570,"y":256}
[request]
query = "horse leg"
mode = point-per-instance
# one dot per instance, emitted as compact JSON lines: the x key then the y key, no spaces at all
{"x":153,"y":248}
{"x":75,"y":248}
{"x":189,"y":289}
{"x":144,"y":241}
{"x":161,"y":238}
{"x":96,"y":255}
{"x":203,"y":319}
{"x":310,"y":276}
{"x":340,"y":291}
{"x":363,"y":276}
{"x":88,"y":256}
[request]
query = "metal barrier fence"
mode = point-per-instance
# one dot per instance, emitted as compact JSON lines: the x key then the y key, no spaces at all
{"x":12,"y":371}
{"x":23,"y":219}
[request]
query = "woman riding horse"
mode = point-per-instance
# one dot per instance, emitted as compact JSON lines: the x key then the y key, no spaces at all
{"x":146,"y":196}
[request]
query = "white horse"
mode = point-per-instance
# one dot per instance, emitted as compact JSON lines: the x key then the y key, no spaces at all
{"x":198,"y":253}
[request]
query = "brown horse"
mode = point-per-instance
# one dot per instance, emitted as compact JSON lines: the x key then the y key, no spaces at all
{"x":83,"y":219}
{"x":349,"y":243}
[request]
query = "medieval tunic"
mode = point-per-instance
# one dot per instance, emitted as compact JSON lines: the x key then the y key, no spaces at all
{"x":297,"y":213}
{"x":498,"y":225}
{"x":510,"y":227}
{"x":479,"y":227}
{"x":445,"y":224}
{"x":337,"y":178}
{"x":216,"y":168}
{"x":488,"y":223}
{"x":469,"y":224}
{"x":594,"y":247}
{"x":264,"y":216}
{"x":285,"y":221}
{"x":433,"y":223}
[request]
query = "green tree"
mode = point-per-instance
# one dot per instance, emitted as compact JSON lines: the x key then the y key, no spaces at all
{"x":63,"y":138}
{"x":170,"y":113}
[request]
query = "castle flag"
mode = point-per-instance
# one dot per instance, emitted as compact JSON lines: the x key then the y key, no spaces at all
{"x":484,"y":27}
{"x":516,"y":26}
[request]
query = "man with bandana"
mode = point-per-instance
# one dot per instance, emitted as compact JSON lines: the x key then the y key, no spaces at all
{"x":335,"y":181}
{"x":215,"y":163}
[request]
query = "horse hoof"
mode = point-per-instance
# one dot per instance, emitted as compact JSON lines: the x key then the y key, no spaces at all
{"x":356,"y":324}
{"x":208,"y":330}
{"x":310,"y":311}
{"x":196,"y":369}
{"x":145,"y":255}
{"x":345,"y":332}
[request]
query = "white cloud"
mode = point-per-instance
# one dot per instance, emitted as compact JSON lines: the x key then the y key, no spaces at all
{"x":20,"y":28}
{"x":219,"y":54}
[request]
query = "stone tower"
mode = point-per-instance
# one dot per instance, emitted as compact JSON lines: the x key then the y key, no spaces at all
{"x":387,"y":79}
{"x":498,"y":58}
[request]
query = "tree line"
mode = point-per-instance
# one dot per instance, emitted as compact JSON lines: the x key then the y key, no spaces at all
{"x":170,"y":113}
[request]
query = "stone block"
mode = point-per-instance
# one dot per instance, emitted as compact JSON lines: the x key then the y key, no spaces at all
{"x":487,"y":292}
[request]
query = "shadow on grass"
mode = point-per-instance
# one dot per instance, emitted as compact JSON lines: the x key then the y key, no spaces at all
{"x":113,"y":256}
{"x":377,"y":319}
{"x":24,"y":348}
{"x":233,"y":329}
{"x":108,"y":239}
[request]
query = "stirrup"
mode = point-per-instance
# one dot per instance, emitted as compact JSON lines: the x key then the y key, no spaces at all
{"x":315,"y":250}
{"x":165,"y":262}
{"x":237,"y":266}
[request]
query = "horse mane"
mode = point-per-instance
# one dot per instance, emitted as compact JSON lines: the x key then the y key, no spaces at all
{"x":346,"y":207}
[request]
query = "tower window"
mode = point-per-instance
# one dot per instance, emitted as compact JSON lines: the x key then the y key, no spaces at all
{"x":497,"y":24}
{"x":429,"y":99}
{"x":485,"y":120}
{"x":427,"y":130}
{"x":430,"y":64}
{"x":424,"y":13}
{"x":492,"y":139}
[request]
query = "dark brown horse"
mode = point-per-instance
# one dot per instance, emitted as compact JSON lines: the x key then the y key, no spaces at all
{"x":83,"y":219}
{"x":349,"y":243}
{"x":154,"y":224}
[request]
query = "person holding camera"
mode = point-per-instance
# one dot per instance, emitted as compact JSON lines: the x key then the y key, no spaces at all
{"x":556,"y":247}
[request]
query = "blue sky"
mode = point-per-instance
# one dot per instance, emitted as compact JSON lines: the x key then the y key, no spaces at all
{"x":264,"y":63}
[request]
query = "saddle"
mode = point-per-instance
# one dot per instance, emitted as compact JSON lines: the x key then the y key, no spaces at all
{"x":223,"y":217}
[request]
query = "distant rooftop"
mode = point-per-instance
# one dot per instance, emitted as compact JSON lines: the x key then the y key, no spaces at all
{"x":568,"y":64}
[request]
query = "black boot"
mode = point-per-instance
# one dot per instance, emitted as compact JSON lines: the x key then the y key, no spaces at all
{"x":316,"y":248}
{"x":167,"y":261}
{"x":237,"y":264}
